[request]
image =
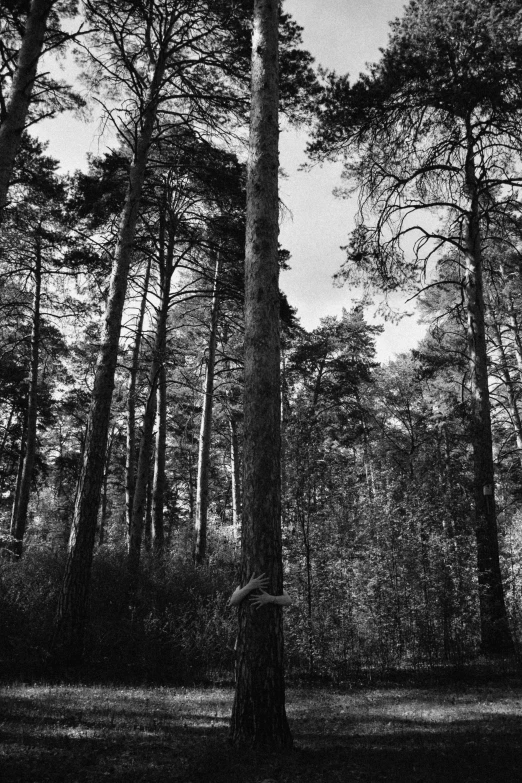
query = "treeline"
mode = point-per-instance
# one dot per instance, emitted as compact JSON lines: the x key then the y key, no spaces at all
{"x":121,"y":394}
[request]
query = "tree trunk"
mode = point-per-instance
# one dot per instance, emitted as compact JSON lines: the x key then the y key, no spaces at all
{"x":104,"y":499}
{"x":147,"y":522}
{"x":495,"y":634}
{"x":72,"y":602}
{"x":23,"y":490}
{"x":7,"y":432}
{"x":142,"y":477}
{"x":304,"y":523}
{"x":13,"y":123}
{"x":510,"y":387}
{"x":258,"y":715}
{"x":190,"y":484}
{"x":130,"y":457}
{"x":200,"y":524}
{"x":515,"y":328}
{"x":19,"y":474}
{"x":158,"y":482}
{"x":235,"y":470}
{"x":147,"y":433}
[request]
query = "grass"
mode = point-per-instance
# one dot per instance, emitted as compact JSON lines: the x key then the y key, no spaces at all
{"x":87,"y":734}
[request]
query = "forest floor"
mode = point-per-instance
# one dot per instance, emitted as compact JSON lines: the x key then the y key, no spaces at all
{"x":467,"y":733}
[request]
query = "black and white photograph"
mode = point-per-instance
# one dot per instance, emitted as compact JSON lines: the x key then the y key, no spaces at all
{"x":261,"y":391}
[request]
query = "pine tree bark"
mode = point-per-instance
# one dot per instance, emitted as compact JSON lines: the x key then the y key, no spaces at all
{"x":14,"y":121}
{"x":72,"y":603}
{"x":235,"y":470}
{"x":130,"y":455}
{"x":105,"y":486}
{"x":190,"y":482}
{"x":23,"y":489}
{"x":159,"y":482}
{"x":258,"y":715}
{"x":205,"y":431}
{"x":515,"y":329}
{"x":19,"y":473}
{"x":495,"y":633}
{"x":147,"y":522}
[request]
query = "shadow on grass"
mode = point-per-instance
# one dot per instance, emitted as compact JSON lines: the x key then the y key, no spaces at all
{"x":86,"y":735}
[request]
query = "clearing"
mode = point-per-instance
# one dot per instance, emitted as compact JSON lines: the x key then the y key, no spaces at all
{"x":466,"y":733}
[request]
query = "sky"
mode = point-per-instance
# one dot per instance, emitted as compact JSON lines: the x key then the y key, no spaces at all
{"x":342,"y":35}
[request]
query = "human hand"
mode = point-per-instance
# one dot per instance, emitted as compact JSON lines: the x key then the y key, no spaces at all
{"x":257,"y":582}
{"x":261,"y":599}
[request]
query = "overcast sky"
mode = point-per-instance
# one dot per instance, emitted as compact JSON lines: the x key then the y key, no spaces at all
{"x":343,"y":35}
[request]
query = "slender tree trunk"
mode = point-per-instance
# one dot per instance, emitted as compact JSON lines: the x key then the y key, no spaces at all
{"x":72,"y":603}
{"x":235,"y":470}
{"x":495,"y":634}
{"x":142,"y":477}
{"x":23,"y":490}
{"x":147,"y":522}
{"x":147,"y":433}
{"x":515,"y":328}
{"x":285,"y":411}
{"x":13,"y":123}
{"x":304,"y":522}
{"x":19,"y":474}
{"x":5,"y":436}
{"x":258,"y":715}
{"x":510,"y":387}
{"x":6,"y":429}
{"x":158,"y":482}
{"x":368,"y":464}
{"x":190,"y":486}
{"x":205,"y":432}
{"x":104,"y":499}
{"x":130,"y":457}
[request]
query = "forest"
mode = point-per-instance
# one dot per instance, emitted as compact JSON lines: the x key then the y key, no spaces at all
{"x":169,"y":430}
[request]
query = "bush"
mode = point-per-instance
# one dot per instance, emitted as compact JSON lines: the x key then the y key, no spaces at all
{"x":177,"y":628}
{"x":28,"y":598}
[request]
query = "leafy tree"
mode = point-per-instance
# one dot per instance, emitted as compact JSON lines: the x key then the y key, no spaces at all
{"x":29,"y":29}
{"x":434,"y":128}
{"x":33,"y":251}
{"x":325,"y":371}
